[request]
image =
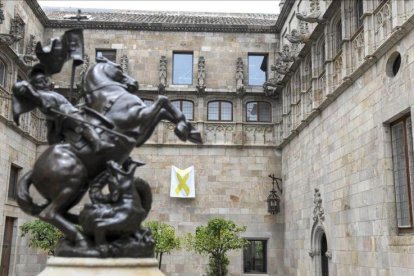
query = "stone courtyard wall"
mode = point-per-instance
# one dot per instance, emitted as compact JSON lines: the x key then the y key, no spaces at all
{"x":230,"y":182}
{"x":346,"y":153}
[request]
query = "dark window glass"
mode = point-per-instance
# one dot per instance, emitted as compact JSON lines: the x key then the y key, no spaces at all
{"x":148,"y":102}
{"x":2,"y":73}
{"x":359,"y":7}
{"x":186,"y":107}
{"x":396,"y":65}
{"x":403,"y":170}
{"x":338,"y":36}
{"x":14,"y":175}
{"x":255,"y":257}
{"x":183,"y":68}
{"x":257,"y":69}
{"x":258,"y":112}
{"x":109,"y":54}
{"x":220,"y":111}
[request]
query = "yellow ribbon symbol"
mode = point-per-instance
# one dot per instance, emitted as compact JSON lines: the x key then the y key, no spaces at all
{"x":182,"y":177}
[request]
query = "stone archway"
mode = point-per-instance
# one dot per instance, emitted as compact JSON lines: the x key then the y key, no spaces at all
{"x":319,"y":242}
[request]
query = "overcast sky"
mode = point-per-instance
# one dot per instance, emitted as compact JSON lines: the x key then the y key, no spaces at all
{"x":270,"y":6}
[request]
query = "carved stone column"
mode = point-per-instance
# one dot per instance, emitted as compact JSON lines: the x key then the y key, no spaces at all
{"x":124,"y":64}
{"x":201,"y":75}
{"x":162,"y":75}
{"x":240,"y":87}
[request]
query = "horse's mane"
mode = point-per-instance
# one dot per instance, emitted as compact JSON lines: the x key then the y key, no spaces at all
{"x":97,"y":76}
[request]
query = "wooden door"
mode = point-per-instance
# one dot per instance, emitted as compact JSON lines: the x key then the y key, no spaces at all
{"x":7,"y":246}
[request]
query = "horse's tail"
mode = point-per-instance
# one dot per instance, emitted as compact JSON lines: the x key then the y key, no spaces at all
{"x":144,"y":191}
{"x":24,"y":199}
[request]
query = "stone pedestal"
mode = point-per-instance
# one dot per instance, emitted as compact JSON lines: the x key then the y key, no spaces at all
{"x":57,"y":266}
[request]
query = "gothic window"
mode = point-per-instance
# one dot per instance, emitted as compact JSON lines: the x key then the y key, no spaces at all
{"x":320,"y":55}
{"x":107,"y":53}
{"x":255,"y":256}
{"x":14,"y":175}
{"x":257,"y":69}
{"x":403,"y":170}
{"x":359,"y":11}
{"x":338,"y":36}
{"x":182,"y":68}
{"x":258,"y":112}
{"x":3,"y":73}
{"x":307,"y":75}
{"x":220,"y":111}
{"x":324,"y":257}
{"x":186,"y":107}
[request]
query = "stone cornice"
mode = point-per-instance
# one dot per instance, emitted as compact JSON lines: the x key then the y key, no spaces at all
{"x":283,"y":15}
{"x":65,"y":24}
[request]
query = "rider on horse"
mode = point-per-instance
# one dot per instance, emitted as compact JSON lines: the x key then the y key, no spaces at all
{"x":51,"y":103}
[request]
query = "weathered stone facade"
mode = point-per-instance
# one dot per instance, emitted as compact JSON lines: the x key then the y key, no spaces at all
{"x":334,"y":88}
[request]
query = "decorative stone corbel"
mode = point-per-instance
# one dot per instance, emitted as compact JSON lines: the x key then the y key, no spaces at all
{"x":271,"y":85}
{"x":328,"y":254}
{"x":296,"y":37}
{"x":201,"y":75}
{"x":240,"y":88}
{"x":286,"y":55}
{"x":162,"y":75}
{"x":124,"y":63}
{"x":281,"y":67}
{"x":315,"y":15}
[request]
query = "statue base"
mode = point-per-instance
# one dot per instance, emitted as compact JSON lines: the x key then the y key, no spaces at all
{"x":101,"y":267}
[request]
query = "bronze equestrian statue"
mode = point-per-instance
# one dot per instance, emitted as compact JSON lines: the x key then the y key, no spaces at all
{"x":75,"y":161}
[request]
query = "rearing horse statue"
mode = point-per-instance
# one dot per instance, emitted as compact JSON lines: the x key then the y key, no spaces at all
{"x":63,"y":172}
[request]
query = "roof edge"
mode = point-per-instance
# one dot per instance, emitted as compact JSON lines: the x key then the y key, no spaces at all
{"x":38,"y":11}
{"x":283,"y":15}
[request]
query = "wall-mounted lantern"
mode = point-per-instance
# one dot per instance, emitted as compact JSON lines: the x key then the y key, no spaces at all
{"x":273,"y":200}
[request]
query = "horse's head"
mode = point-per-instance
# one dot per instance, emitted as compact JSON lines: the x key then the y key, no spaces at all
{"x":106,"y":72}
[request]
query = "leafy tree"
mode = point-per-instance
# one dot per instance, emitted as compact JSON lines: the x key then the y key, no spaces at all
{"x":165,"y":238}
{"x":41,"y":235}
{"x":214,"y":240}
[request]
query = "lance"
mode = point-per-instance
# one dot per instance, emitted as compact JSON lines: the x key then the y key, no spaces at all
{"x":116,"y":133}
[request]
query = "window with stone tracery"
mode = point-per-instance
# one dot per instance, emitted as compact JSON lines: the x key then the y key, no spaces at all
{"x":186,"y":107}
{"x":258,"y":112}
{"x":220,"y":111}
{"x":359,"y":13}
{"x":403,"y":170}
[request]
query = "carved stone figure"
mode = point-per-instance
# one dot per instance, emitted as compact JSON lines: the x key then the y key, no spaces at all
{"x":63,"y":173}
{"x":163,"y":75}
{"x":281,"y":67}
{"x":240,"y":87}
{"x":17,"y":28}
{"x":271,"y":85}
{"x":286,"y":55}
{"x":315,"y":15}
{"x":297,"y":37}
{"x":30,"y":56}
{"x":7,"y":39}
{"x":201,"y":75}
{"x":318,"y":211}
{"x":124,"y":63}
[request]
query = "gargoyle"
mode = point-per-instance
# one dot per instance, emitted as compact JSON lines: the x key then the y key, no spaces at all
{"x":296,"y":37}
{"x":271,"y":85}
{"x":281,"y":67}
{"x":286,"y":55}
{"x":313,"y":17}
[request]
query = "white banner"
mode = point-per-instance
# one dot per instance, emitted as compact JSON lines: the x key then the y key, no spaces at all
{"x":182,"y":182}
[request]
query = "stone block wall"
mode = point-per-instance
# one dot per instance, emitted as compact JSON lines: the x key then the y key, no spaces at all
{"x":230,"y":182}
{"x":18,"y":150}
{"x":346,"y":153}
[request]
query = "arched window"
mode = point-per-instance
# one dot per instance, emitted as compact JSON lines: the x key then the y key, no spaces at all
{"x":186,"y":107}
{"x":258,"y":112}
{"x":320,"y":55}
{"x":3,"y":72}
{"x":220,"y":111}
